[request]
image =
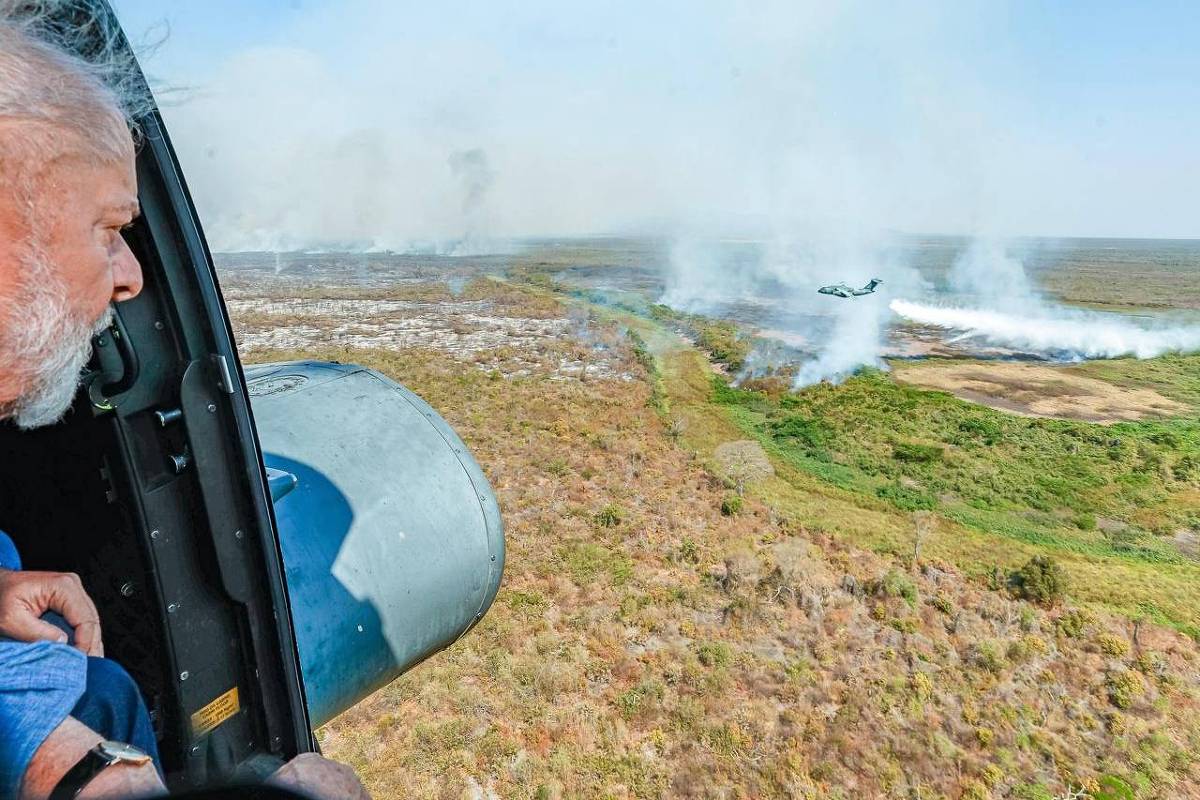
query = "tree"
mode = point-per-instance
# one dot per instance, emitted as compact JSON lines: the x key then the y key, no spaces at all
{"x":743,"y":462}
{"x":924,"y":523}
{"x":1041,"y":580}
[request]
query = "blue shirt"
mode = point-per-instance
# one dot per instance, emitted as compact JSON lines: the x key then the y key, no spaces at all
{"x":39,"y":685}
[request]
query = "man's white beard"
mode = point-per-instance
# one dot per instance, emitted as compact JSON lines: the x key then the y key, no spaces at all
{"x":46,"y":344}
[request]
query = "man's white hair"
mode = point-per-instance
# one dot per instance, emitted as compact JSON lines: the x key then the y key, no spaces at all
{"x":68,"y":87}
{"x":67,"y":80}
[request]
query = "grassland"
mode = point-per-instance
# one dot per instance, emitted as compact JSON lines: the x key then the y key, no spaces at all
{"x":654,"y":639}
{"x":1108,"y":501}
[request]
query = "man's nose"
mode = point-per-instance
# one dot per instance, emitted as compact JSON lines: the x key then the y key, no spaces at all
{"x":127,"y":275}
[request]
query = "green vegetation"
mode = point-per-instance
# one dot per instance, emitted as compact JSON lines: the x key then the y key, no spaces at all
{"x":1041,"y":580}
{"x":1074,"y":492}
{"x":720,"y":339}
{"x":610,"y":516}
{"x":731,"y":504}
{"x":641,"y":354}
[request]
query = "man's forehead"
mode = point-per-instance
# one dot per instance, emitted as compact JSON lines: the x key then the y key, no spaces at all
{"x":112,"y":184}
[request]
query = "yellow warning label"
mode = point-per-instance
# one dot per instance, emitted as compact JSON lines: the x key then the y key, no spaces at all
{"x":216,"y":712}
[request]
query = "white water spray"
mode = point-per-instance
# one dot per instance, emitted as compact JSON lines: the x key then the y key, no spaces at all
{"x":1056,"y":332}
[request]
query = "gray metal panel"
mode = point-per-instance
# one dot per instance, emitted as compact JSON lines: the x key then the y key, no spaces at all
{"x":392,"y":538}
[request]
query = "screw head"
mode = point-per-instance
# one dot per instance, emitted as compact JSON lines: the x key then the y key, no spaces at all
{"x":183,"y":676}
{"x":212,"y":408}
{"x":127,"y":589}
{"x":238,"y":534}
{"x":171,"y":609}
{"x":158,"y":326}
{"x":154,"y":534}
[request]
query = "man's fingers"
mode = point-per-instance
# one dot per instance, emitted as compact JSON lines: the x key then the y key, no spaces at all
{"x":87,"y":639}
{"x":69,"y":599}
{"x":27,"y":628}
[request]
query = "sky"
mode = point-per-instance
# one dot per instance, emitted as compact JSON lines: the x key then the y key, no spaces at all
{"x":305,"y":123}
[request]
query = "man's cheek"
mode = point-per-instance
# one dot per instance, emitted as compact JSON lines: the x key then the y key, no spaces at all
{"x":88,"y":275}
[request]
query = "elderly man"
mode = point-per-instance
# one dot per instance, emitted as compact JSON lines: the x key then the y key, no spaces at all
{"x":67,"y":188}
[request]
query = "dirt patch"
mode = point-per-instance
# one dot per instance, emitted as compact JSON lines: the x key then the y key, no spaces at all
{"x":1188,"y":543}
{"x":1038,"y":390}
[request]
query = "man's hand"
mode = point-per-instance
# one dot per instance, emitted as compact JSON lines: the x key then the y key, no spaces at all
{"x":319,"y":778}
{"x":26,"y":596}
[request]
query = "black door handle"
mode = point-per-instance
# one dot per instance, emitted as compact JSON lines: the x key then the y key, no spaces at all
{"x":118,"y":364}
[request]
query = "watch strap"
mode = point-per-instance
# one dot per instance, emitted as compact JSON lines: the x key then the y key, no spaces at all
{"x":92,"y":764}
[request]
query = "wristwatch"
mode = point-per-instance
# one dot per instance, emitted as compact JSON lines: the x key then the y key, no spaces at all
{"x":98,"y":759}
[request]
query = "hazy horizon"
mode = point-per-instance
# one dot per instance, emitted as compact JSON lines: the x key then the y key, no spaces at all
{"x":311,"y":123}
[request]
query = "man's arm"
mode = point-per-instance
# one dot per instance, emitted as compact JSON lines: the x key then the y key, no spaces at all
{"x":64,"y":748}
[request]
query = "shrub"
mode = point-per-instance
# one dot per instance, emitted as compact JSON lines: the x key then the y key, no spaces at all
{"x":976,"y":790}
{"x":610,"y":516}
{"x":731,"y":505}
{"x":1110,"y":787}
{"x":896,"y":584}
{"x":988,"y":656}
{"x":1124,"y":687}
{"x":689,"y":552}
{"x":1027,"y":647}
{"x":1187,"y":469}
{"x":917,"y":453}
{"x":942,"y":602}
{"x":714,"y":655}
{"x":1041,"y":580}
{"x":1028,"y":618}
{"x":1073,"y":622}
{"x":808,"y":432}
{"x":985,"y":429}
{"x":587,"y":561}
{"x":1151,"y":664}
{"x":531,"y":604}
{"x":922,"y":686}
{"x":1032,"y":791}
{"x":906,"y":499}
{"x":724,"y":343}
{"x":1085,"y":522}
{"x":1111,"y":645}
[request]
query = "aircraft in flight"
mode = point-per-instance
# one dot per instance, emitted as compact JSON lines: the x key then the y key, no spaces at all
{"x":842,"y":290}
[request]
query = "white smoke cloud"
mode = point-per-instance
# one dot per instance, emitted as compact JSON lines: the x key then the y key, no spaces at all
{"x":854,"y":342}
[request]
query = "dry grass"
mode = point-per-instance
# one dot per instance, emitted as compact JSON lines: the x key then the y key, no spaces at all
{"x":1040,"y":391}
{"x":646,"y":645}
